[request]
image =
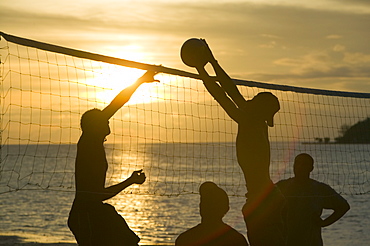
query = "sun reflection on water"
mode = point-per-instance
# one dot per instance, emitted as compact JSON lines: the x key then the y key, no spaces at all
{"x":168,"y":216}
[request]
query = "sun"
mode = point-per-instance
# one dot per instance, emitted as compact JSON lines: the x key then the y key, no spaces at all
{"x":109,"y":80}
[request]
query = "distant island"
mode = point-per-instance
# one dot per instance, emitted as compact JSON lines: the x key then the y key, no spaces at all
{"x":358,"y":133}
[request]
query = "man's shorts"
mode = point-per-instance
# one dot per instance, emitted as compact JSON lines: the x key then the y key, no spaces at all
{"x":99,"y":224}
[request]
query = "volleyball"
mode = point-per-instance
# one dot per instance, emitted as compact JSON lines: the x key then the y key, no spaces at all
{"x":193,"y":52}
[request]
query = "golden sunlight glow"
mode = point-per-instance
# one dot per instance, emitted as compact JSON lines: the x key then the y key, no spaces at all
{"x":130,"y":52}
{"x":116,"y":78}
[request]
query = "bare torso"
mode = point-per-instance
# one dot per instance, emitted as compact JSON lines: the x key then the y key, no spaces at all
{"x":91,"y":166}
{"x":253,"y":153}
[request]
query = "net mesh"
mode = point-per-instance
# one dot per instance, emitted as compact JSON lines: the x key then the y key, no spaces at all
{"x":173,"y":130}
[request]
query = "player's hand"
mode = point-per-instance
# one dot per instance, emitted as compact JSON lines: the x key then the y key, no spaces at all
{"x":148,"y":77}
{"x":138,"y":177}
{"x":208,"y":53}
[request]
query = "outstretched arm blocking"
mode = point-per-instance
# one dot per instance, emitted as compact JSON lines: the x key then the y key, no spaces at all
{"x":219,"y":94}
{"x":124,"y":96}
{"x":226,"y":82}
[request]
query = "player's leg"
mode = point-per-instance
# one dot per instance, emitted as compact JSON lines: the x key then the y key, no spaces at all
{"x":263,"y":218}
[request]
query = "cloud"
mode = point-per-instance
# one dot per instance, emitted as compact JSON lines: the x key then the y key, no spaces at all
{"x":334,"y":36}
{"x":363,"y":3}
{"x":357,"y":58}
{"x":339,"y":48}
{"x":328,"y":64}
{"x":269,"y":45}
{"x":248,"y":39}
{"x":346,"y":71}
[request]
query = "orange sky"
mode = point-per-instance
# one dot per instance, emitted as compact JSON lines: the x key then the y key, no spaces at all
{"x":318,"y":43}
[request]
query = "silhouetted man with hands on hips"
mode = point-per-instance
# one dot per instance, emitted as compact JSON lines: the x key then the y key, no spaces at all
{"x":306,"y":199}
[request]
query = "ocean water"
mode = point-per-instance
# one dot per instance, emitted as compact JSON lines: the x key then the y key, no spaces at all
{"x":41,"y":215}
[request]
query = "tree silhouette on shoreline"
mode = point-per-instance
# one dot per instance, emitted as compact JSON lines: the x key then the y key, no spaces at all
{"x":358,"y":133}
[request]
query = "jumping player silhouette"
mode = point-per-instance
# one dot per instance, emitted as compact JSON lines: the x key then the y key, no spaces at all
{"x":93,"y":222}
{"x":262,"y":211}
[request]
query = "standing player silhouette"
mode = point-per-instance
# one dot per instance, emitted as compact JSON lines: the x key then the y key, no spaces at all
{"x":262,"y":210}
{"x":92,"y":221}
{"x":306,"y":199}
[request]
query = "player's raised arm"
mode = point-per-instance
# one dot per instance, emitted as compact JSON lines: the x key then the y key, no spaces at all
{"x":226,"y":82}
{"x":196,"y":53}
{"x":125,"y":95}
{"x":219,"y":94}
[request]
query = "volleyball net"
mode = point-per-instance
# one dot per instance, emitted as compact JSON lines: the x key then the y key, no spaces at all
{"x":173,"y":130}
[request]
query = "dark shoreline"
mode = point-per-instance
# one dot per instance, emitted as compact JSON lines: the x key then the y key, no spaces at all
{"x":11,"y":240}
{"x":331,"y":143}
